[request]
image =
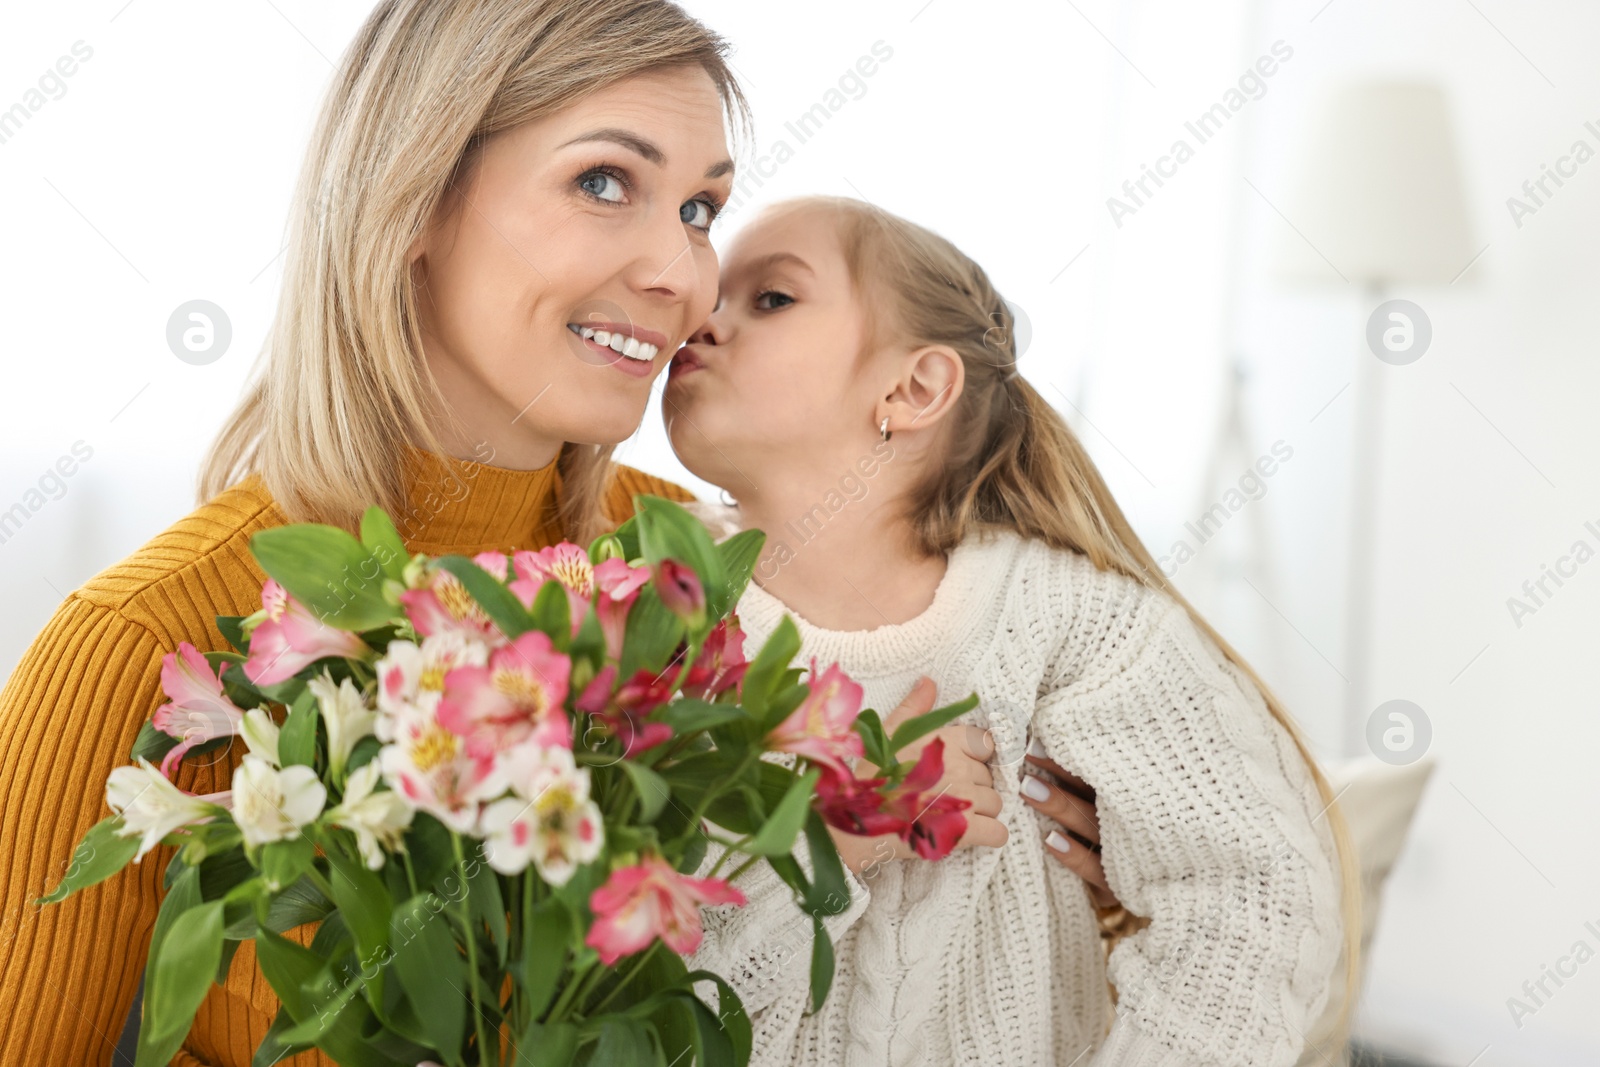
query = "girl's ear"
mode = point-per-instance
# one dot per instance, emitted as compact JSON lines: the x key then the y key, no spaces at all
{"x":930,"y":384}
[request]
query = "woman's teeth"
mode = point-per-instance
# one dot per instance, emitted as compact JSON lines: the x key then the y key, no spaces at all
{"x":631,"y":347}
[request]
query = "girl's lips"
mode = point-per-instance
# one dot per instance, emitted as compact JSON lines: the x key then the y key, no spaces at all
{"x":683,"y":361}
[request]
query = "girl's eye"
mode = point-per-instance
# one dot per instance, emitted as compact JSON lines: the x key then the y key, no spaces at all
{"x":603,"y":183}
{"x":783,"y":297}
{"x":698,"y":213}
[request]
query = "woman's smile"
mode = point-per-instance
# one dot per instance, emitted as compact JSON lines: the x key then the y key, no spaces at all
{"x":636,"y":345}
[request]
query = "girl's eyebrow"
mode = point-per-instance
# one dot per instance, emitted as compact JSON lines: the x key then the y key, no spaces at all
{"x":771,"y":258}
{"x":643,"y":147}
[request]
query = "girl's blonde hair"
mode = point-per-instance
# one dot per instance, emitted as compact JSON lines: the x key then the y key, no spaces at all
{"x":342,"y":384}
{"x":1011,"y":460}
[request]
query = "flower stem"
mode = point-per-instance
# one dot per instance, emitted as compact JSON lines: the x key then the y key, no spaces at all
{"x":486,"y":1055}
{"x":637,"y":967}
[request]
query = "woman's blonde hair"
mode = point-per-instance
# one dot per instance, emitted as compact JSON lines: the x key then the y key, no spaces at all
{"x":1011,"y":460}
{"x":342,"y":384}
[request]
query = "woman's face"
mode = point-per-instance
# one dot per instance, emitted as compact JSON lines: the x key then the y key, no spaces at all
{"x":560,"y":277}
{"x":771,"y":386}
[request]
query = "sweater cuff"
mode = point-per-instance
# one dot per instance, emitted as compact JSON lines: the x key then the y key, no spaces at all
{"x":1125,"y":1046}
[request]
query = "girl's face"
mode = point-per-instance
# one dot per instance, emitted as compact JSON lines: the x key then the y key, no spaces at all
{"x":558,"y":279}
{"x":770,"y":388}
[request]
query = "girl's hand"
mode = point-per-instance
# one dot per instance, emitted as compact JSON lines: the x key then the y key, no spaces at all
{"x":966,"y":775}
{"x":1070,"y":802}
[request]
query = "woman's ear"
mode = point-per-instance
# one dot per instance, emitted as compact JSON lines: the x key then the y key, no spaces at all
{"x":930,"y":384}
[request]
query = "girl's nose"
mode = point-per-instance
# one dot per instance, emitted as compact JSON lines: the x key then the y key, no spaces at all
{"x":711,"y":332}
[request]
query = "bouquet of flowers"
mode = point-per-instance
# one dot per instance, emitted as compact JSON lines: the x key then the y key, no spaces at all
{"x":490,"y":783}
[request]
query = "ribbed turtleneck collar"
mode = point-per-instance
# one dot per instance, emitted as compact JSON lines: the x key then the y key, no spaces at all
{"x":464,"y":507}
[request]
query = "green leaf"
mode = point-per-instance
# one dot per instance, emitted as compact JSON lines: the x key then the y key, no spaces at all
{"x":431,"y":852}
{"x":101,"y":853}
{"x":485,"y":905}
{"x":552,"y":614}
{"x":498,"y":602}
{"x":379,"y":537}
{"x":651,"y":635}
{"x":691,"y":715}
{"x":783,"y":701}
{"x":874,"y":742}
{"x":777,"y":836}
{"x":364,"y":901}
{"x":331,"y":573}
{"x":668,"y":531}
{"x":761,"y":678}
{"x":232,"y":630}
{"x":272,"y":1050}
{"x":544,"y":951}
{"x":300,"y":903}
{"x":739,"y":556}
{"x":652,"y":789}
{"x":927,"y":723}
{"x":730,"y":1014}
{"x":624,"y":1042}
{"x":821,"y":963}
{"x":297,"y":737}
{"x":830,"y":891}
{"x":430,"y":970}
{"x":548,"y":1045}
{"x":179,"y":977}
{"x":284,"y":862}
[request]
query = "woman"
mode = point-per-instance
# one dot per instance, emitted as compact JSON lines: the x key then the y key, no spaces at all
{"x":486,"y":180}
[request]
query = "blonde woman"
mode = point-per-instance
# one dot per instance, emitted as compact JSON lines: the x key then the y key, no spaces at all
{"x":486,"y":180}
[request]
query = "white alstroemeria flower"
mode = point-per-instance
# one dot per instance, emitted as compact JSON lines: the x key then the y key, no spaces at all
{"x":260,"y":735}
{"x":411,"y":676}
{"x":554,"y":825}
{"x":346,"y":716}
{"x":271,"y":804}
{"x":379,"y":818}
{"x":151,"y":805}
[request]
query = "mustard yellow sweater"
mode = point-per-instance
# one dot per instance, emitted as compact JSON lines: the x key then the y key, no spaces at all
{"x":71,"y":710}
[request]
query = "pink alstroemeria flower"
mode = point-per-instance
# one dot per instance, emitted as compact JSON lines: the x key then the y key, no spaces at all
{"x":565,"y":563}
{"x":198,"y":710}
{"x":431,"y":767}
{"x":820,"y":729}
{"x":680,"y":590}
{"x":623,"y":713}
{"x":619,"y":586}
{"x":445,"y":606}
{"x":649,"y":900}
{"x":721,"y":663}
{"x":496,"y":563}
{"x":931,"y":827}
{"x":519,"y":695}
{"x":288,"y":637}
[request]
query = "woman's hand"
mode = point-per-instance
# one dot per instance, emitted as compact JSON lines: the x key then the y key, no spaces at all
{"x":966,"y":775}
{"x":1070,"y":802}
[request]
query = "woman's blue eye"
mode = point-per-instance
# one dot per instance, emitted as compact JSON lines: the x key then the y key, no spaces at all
{"x":597,"y":182}
{"x":698,"y":213}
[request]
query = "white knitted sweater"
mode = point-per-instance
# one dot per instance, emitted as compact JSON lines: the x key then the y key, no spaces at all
{"x":1210,"y":826}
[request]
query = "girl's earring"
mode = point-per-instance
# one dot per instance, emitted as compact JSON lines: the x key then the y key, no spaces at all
{"x":883,"y":428}
{"x":727,"y":499}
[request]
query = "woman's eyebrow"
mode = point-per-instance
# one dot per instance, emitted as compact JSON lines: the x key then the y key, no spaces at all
{"x":645,"y":148}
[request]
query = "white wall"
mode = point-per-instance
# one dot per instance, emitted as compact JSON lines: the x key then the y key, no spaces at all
{"x":163,"y":175}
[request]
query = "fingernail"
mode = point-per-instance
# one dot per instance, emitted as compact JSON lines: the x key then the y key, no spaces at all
{"x":1037,"y":749}
{"x":1058,"y":841}
{"x":1032,"y":787}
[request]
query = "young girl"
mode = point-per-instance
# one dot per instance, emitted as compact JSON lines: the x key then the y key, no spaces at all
{"x":927,"y":512}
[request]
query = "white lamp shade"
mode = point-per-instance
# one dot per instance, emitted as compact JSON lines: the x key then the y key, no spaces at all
{"x":1378,"y":197}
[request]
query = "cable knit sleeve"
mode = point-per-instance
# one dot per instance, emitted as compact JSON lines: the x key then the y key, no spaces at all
{"x":1210,"y":825}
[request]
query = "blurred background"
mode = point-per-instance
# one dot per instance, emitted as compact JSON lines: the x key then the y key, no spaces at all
{"x":1313,"y":281}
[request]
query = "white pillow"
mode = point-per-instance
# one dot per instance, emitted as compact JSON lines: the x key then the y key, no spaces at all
{"x":1378,"y":801}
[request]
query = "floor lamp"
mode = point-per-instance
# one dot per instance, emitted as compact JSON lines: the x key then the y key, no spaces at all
{"x":1377,"y":206}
